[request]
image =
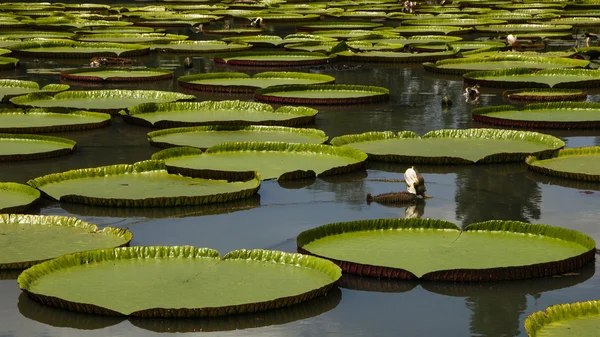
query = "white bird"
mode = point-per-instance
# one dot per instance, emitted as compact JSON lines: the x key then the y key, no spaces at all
{"x":511,"y":39}
{"x":256,"y":22}
{"x":414,"y":181}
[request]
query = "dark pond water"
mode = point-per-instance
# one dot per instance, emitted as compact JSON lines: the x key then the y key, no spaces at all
{"x":363,"y":307}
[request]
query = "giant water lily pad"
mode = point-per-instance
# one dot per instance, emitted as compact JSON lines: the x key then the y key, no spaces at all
{"x":560,"y":115}
{"x":14,"y":120}
{"x":451,"y":146}
{"x":243,"y":281}
{"x":209,"y":46}
{"x":141,"y":38}
{"x":438,"y":250}
{"x":12,"y":88}
{"x":116,"y":74}
{"x":270,"y":159}
{"x":8,"y":63}
{"x":28,"y":34}
{"x":422,"y":30}
{"x":143,"y":184}
{"x":459,"y":22}
{"x":337,"y":25}
{"x":520,"y":28}
{"x":464,"y":65}
{"x":396,"y":56}
{"x":544,"y":94}
{"x":67,"y":48}
{"x":204,"y":137}
{"x":110,"y":101}
{"x":322,"y":94}
{"x":16,"y":198}
{"x":242,"y":82}
{"x":530,"y":78}
{"x":168,"y":115}
{"x":270,"y":59}
{"x":575,"y":163}
{"x":15,"y":147}
{"x":572,"y":319}
{"x":27,"y":240}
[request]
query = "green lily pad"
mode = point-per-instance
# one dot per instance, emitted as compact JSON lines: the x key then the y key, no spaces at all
{"x":141,"y":38}
{"x":575,"y":163}
{"x":8,"y":63}
{"x":544,"y":94}
{"x":27,"y":240}
{"x":530,"y":78}
{"x":519,"y":28}
{"x":360,"y":14}
{"x":16,"y":198}
{"x":460,"y":22}
{"x":572,"y":319}
{"x":562,"y":115}
{"x":14,"y":120}
{"x":109,"y":101}
{"x":143,"y":184}
{"x":203,"y":137}
{"x":234,"y":31}
{"x":451,"y":146}
{"x":239,"y":158}
{"x":464,"y":65}
{"x":475,"y":45}
{"x":65,"y":22}
{"x":116,"y":74}
{"x":431,"y":30}
{"x":67,"y":48}
{"x":437,"y":250}
{"x":242,"y":82}
{"x":257,"y":40}
{"x":397,"y":57}
{"x":14,"y":147}
{"x":244,"y":281}
{"x":270,"y":59}
{"x":337,"y":25}
{"x":356,"y":34}
{"x":418,"y":39}
{"x":12,"y":88}
{"x":208,"y":46}
{"x":168,"y":115}
{"x":26,"y":34}
{"x":322,"y":94}
{"x":573,"y":21}
{"x":113,"y":30}
{"x":284,"y":17}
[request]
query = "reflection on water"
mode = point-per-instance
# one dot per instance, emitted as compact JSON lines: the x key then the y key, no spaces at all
{"x":570,"y":183}
{"x":9,"y":274}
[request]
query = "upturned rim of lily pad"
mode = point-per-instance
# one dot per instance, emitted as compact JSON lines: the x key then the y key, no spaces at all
{"x":97,"y":120}
{"x":534,"y":164}
{"x":67,"y":146}
{"x":377,"y":94}
{"x":34,"y":194}
{"x":87,"y":74}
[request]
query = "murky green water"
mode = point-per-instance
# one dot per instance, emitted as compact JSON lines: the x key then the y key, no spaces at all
{"x":363,"y":307}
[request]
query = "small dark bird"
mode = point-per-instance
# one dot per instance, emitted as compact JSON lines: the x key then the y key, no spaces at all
{"x":187,"y":63}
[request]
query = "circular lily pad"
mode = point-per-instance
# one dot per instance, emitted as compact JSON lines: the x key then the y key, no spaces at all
{"x":233,"y":31}
{"x":337,"y":25}
{"x":14,"y":120}
{"x":520,"y":28}
{"x":573,"y":319}
{"x":141,"y":38}
{"x":16,"y":198}
{"x":464,"y":65}
{"x":530,"y":78}
{"x":273,"y":59}
{"x":8,"y":63}
{"x":27,"y":240}
{"x":12,"y":88}
{"x":244,"y":281}
{"x":203,"y":137}
{"x":27,"y":34}
{"x":75,"y":49}
{"x":110,"y":101}
{"x":323,"y":94}
{"x":558,"y":115}
{"x":441,"y":147}
{"x":209,"y":46}
{"x":438,"y":250}
{"x":431,"y":30}
{"x":575,"y":163}
{"x":459,"y":22}
{"x":544,"y":94}
{"x":116,"y":74}
{"x":15,"y":147}
{"x":168,"y":115}
{"x":397,"y":57}
{"x":228,"y":159}
{"x":143,"y":184}
{"x":241,"y":82}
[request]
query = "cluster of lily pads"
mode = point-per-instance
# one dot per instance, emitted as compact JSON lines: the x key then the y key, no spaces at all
{"x":215,"y":152}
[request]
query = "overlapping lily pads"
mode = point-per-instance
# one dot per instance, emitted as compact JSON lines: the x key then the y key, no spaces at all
{"x":420,"y":30}
{"x":544,"y":94}
{"x":16,"y":198}
{"x":242,"y":82}
{"x":12,"y":88}
{"x":140,"y":38}
{"x":574,"y":163}
{"x":208,"y":46}
{"x":294,"y":161}
{"x":572,"y":319}
{"x":27,"y":240}
{"x":143,"y":184}
{"x":397,"y":57}
{"x":110,"y":101}
{"x":520,"y":28}
{"x":116,"y":74}
{"x":270,"y":59}
{"x":558,"y":115}
{"x":168,"y":115}
{"x":322,"y":94}
{"x":14,"y":147}
{"x":244,"y":281}
{"x":438,"y":250}
{"x":14,"y":120}
{"x":73,"y":49}
{"x":451,"y":146}
{"x":203,"y":137}
{"x":464,"y":65}
{"x":530,"y":78}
